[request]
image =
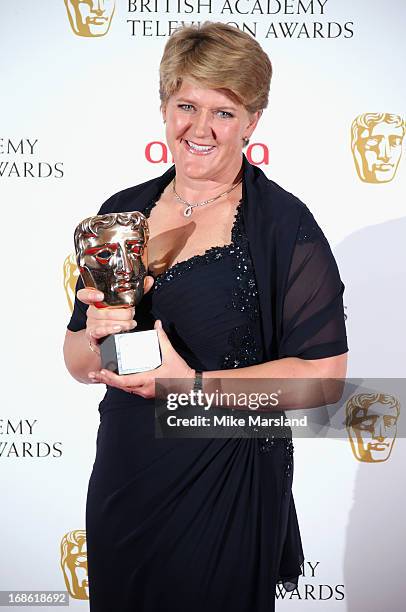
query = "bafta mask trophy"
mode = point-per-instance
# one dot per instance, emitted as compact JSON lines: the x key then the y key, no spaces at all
{"x":112,"y":257}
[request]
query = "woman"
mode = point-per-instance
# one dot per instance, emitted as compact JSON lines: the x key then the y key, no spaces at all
{"x":243,"y":285}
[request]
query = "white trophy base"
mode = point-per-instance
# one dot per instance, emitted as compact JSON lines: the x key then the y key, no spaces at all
{"x":130,"y":353}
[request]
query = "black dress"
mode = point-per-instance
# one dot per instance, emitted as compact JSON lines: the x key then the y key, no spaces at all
{"x":202,"y":524}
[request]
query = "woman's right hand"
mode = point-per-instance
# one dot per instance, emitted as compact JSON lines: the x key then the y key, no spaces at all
{"x":102,"y":322}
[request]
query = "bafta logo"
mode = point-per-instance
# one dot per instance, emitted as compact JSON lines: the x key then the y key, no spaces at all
{"x":70,"y":276}
{"x":90,"y":18}
{"x":371,"y":420}
{"x":376,"y":144}
{"x":74,"y":563}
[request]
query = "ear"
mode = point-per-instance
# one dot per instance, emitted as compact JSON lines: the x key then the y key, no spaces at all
{"x":163,"y":111}
{"x":253,"y":121}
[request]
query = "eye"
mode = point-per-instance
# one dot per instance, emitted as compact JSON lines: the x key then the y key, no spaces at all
{"x":395,"y":141}
{"x":225,"y":114}
{"x":366,"y":424}
{"x":103,"y":257}
{"x":372,"y":142}
{"x":105,"y":254}
{"x":135,"y":249}
{"x":185,"y":107}
{"x":101,"y":254}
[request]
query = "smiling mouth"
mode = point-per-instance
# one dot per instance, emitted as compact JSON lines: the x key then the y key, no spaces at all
{"x":121,"y":286}
{"x":378,"y":447}
{"x":196,"y":149}
{"x":384,"y":167}
{"x":123,"y":289}
{"x":97,"y":20}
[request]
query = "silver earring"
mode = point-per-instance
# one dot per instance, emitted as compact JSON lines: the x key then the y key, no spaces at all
{"x":245,"y":142}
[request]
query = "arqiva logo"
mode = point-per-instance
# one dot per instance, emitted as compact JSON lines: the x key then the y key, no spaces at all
{"x":157,"y":152}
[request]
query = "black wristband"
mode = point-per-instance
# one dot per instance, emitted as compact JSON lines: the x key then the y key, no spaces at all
{"x":198,"y":384}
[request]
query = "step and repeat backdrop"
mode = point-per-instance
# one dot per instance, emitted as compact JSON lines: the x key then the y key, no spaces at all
{"x":79,"y":121}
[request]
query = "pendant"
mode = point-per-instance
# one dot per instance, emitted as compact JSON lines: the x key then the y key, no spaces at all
{"x":188,"y":211}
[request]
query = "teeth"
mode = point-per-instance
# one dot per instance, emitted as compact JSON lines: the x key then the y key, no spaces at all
{"x":192,"y":145}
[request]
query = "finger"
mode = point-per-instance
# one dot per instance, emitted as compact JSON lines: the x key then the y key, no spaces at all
{"x":105,"y":330}
{"x":146,"y":392}
{"x":125,"y":382}
{"x":97,"y":377}
{"x":148,"y":282}
{"x":114,"y":327}
{"x":111,"y":314}
{"x":88,"y":295}
{"x":164,"y":341}
{"x":92,"y":377}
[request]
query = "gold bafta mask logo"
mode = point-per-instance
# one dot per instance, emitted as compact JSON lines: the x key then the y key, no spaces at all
{"x":371,"y":420}
{"x":70,"y":276}
{"x":74,"y":563}
{"x":376,"y":144}
{"x":90,"y":18}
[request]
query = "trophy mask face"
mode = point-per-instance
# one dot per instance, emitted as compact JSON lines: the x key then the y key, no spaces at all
{"x":74,"y":564}
{"x":378,"y":151}
{"x":111,"y":253}
{"x":90,"y":17}
{"x":372,"y":431}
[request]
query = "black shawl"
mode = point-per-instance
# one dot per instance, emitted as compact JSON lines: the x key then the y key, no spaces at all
{"x":299,"y":287}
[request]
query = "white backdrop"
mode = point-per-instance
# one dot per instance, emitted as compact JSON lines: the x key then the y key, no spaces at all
{"x":82,"y":111}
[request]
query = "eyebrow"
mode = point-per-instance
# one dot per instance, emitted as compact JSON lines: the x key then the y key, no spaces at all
{"x":194,"y":103}
{"x":382,"y":135}
{"x":100,"y":247}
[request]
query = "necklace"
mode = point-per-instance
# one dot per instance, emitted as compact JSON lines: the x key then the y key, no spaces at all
{"x":189,"y":206}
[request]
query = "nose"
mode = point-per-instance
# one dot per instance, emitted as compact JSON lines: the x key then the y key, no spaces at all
{"x":379,"y":432}
{"x":202,"y":124}
{"x":384,"y":149}
{"x":98,"y":6}
{"x":123,"y":262}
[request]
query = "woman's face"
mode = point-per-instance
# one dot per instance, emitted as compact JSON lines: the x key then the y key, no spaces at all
{"x":199,"y":116}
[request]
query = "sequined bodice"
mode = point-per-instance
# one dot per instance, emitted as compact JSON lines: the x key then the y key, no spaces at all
{"x":209,"y":305}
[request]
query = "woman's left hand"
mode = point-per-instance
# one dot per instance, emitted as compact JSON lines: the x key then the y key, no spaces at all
{"x":143,"y":384}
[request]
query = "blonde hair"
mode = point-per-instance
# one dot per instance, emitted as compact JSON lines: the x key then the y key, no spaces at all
{"x":217,"y":56}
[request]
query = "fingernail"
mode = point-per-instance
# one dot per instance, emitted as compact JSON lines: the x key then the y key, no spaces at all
{"x":99,"y":296}
{"x":159,"y":324}
{"x":117,"y":327}
{"x":91,"y":375}
{"x":134,"y":324}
